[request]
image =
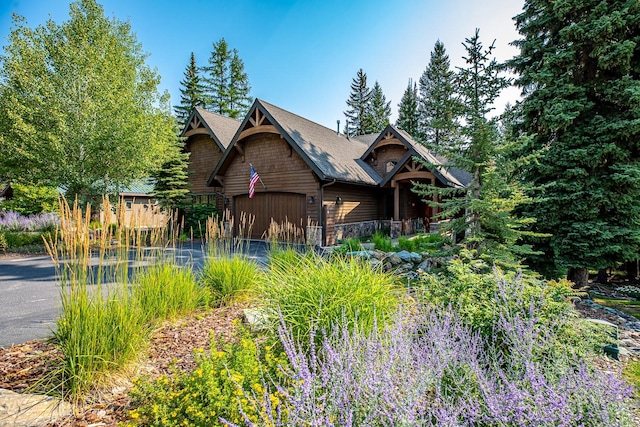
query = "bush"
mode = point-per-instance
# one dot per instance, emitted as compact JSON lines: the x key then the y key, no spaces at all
{"x":229,"y":279}
{"x":382,"y":242}
{"x":166,"y":291}
{"x":429,"y":369}
{"x":311,"y":292}
{"x":31,"y":199}
{"x":405,"y":244}
{"x":214,"y":390}
{"x":21,"y":239}
{"x":14,"y":221}
{"x":3,"y":243}
{"x":350,"y":245}
{"x":195,"y":219}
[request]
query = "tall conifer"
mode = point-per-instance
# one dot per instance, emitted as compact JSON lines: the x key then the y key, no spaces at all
{"x":191,"y":92}
{"x":437,"y":103}
{"x":579,"y":67}
{"x":379,"y":110}
{"x":408,"y":116}
{"x":357,"y":115}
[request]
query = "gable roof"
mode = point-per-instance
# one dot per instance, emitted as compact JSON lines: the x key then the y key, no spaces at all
{"x":221,"y":128}
{"x":329,"y":154}
{"x":450,"y":176}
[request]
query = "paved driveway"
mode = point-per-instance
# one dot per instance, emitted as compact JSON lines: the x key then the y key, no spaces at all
{"x":30,"y":294}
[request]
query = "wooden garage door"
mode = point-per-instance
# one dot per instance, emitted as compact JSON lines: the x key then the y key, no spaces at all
{"x":280,"y":207}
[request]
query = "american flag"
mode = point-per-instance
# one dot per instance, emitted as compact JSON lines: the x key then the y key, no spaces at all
{"x":253,"y":180}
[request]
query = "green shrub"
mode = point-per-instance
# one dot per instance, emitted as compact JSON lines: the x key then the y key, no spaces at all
{"x":382,"y":242}
{"x":349,"y":245}
{"x":31,"y":199}
{"x":214,"y":389}
{"x":313,"y":292}
{"x":166,"y":291}
{"x":17,"y":239}
{"x":195,"y":219}
{"x":3,"y":243}
{"x":406,"y":244}
{"x":229,"y":279}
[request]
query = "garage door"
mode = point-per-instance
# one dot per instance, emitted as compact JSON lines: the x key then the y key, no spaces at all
{"x":280,"y":207}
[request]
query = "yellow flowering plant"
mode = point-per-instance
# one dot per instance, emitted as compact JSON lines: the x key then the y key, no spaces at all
{"x":229,"y":382}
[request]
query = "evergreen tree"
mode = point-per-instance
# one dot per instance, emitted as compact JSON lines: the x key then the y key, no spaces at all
{"x":579,"y":67}
{"x":226,"y":83}
{"x":172,"y":179}
{"x":483,"y":212}
{"x":358,"y":117}
{"x":379,"y":110}
{"x":191,"y":92}
{"x":408,"y":116}
{"x":437,"y":104}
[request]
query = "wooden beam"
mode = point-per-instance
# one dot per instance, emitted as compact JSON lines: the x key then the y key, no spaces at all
{"x":414,"y":175}
{"x":258,"y":129}
{"x":396,"y":200}
{"x":197,"y":131}
{"x":393,"y":141}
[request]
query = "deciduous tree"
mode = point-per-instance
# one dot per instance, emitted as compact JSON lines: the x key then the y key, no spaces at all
{"x":79,"y":108}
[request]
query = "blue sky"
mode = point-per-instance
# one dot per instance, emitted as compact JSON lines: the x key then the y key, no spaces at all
{"x":302,"y":55}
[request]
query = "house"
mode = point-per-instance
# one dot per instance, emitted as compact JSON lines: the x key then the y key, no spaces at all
{"x":331,"y":186}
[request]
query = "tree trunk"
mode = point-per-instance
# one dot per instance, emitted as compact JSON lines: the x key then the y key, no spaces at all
{"x":579,"y":276}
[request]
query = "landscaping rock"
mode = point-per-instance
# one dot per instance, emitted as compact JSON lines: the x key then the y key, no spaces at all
{"x":387,"y":267}
{"x":404,"y":268}
{"x":255,"y":318}
{"x":416,"y":258}
{"x":426,"y":265}
{"x":23,"y":410}
{"x":375,"y":263}
{"x":404,"y":256}
{"x":362,"y":254}
{"x":380,"y":255}
{"x":393,"y":258}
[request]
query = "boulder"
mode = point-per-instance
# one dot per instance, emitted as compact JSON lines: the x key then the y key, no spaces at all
{"x":361,"y":254}
{"x":393,"y":258}
{"x":426,"y":265}
{"x":404,"y":256}
{"x":22,"y":410}
{"x":416,"y":258}
{"x":378,"y":254}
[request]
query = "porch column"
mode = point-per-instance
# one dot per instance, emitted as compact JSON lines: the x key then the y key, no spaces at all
{"x":396,"y":200}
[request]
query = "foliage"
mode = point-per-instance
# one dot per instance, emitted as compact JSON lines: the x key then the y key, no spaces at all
{"x":167,"y":291}
{"x":105,"y":320}
{"x":20,"y":239}
{"x":630,"y":307}
{"x":195,"y":218}
{"x":632,"y":374}
{"x":311,"y":292}
{"x":357,"y":114}
{"x":225,"y":82}
{"x":213,"y":392}
{"x":430,"y":369}
{"x":579,"y":69}
{"x":172,"y":179}
{"x":382,"y":242}
{"x":379,"y":110}
{"x":79,"y":108}
{"x":349,"y":245}
{"x":483,"y":213}
{"x":191,"y":92}
{"x":229,"y":278}
{"x":14,"y":221}
{"x":3,"y":243}
{"x":31,"y":199}
{"x":421,"y":243}
{"x":408,"y":115}
{"x":632,"y":291}
{"x":437,"y":103}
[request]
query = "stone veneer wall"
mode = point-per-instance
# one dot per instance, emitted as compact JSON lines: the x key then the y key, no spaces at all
{"x":361,"y":229}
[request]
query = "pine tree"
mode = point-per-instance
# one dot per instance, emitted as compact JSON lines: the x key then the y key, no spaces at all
{"x":172,"y":179}
{"x":579,"y":67}
{"x":191,"y":92}
{"x":437,"y":104}
{"x":408,"y":117}
{"x":483,"y":212}
{"x":226,"y":83}
{"x":358,"y":117}
{"x":379,"y":110}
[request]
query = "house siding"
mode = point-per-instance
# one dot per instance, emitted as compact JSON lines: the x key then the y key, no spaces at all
{"x":389,"y":153}
{"x":359,"y":203}
{"x":281,"y":169}
{"x":204,"y":155}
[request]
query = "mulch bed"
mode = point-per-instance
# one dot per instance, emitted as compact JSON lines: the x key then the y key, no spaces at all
{"x":23,"y":366}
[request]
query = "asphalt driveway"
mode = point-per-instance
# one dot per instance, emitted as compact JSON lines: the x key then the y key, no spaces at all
{"x":30,"y":293}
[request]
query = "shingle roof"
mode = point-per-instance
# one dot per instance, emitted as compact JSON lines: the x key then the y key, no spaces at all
{"x":334,"y":155}
{"x":223,"y":128}
{"x":448,"y":175}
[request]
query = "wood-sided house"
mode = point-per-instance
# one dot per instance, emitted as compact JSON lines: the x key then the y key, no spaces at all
{"x":332,"y":186}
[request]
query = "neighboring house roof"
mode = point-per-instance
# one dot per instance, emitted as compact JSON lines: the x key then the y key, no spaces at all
{"x":139,"y":187}
{"x":221,"y":128}
{"x":334,"y":156}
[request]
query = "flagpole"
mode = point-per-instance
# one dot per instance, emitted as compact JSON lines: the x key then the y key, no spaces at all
{"x":265,"y":187}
